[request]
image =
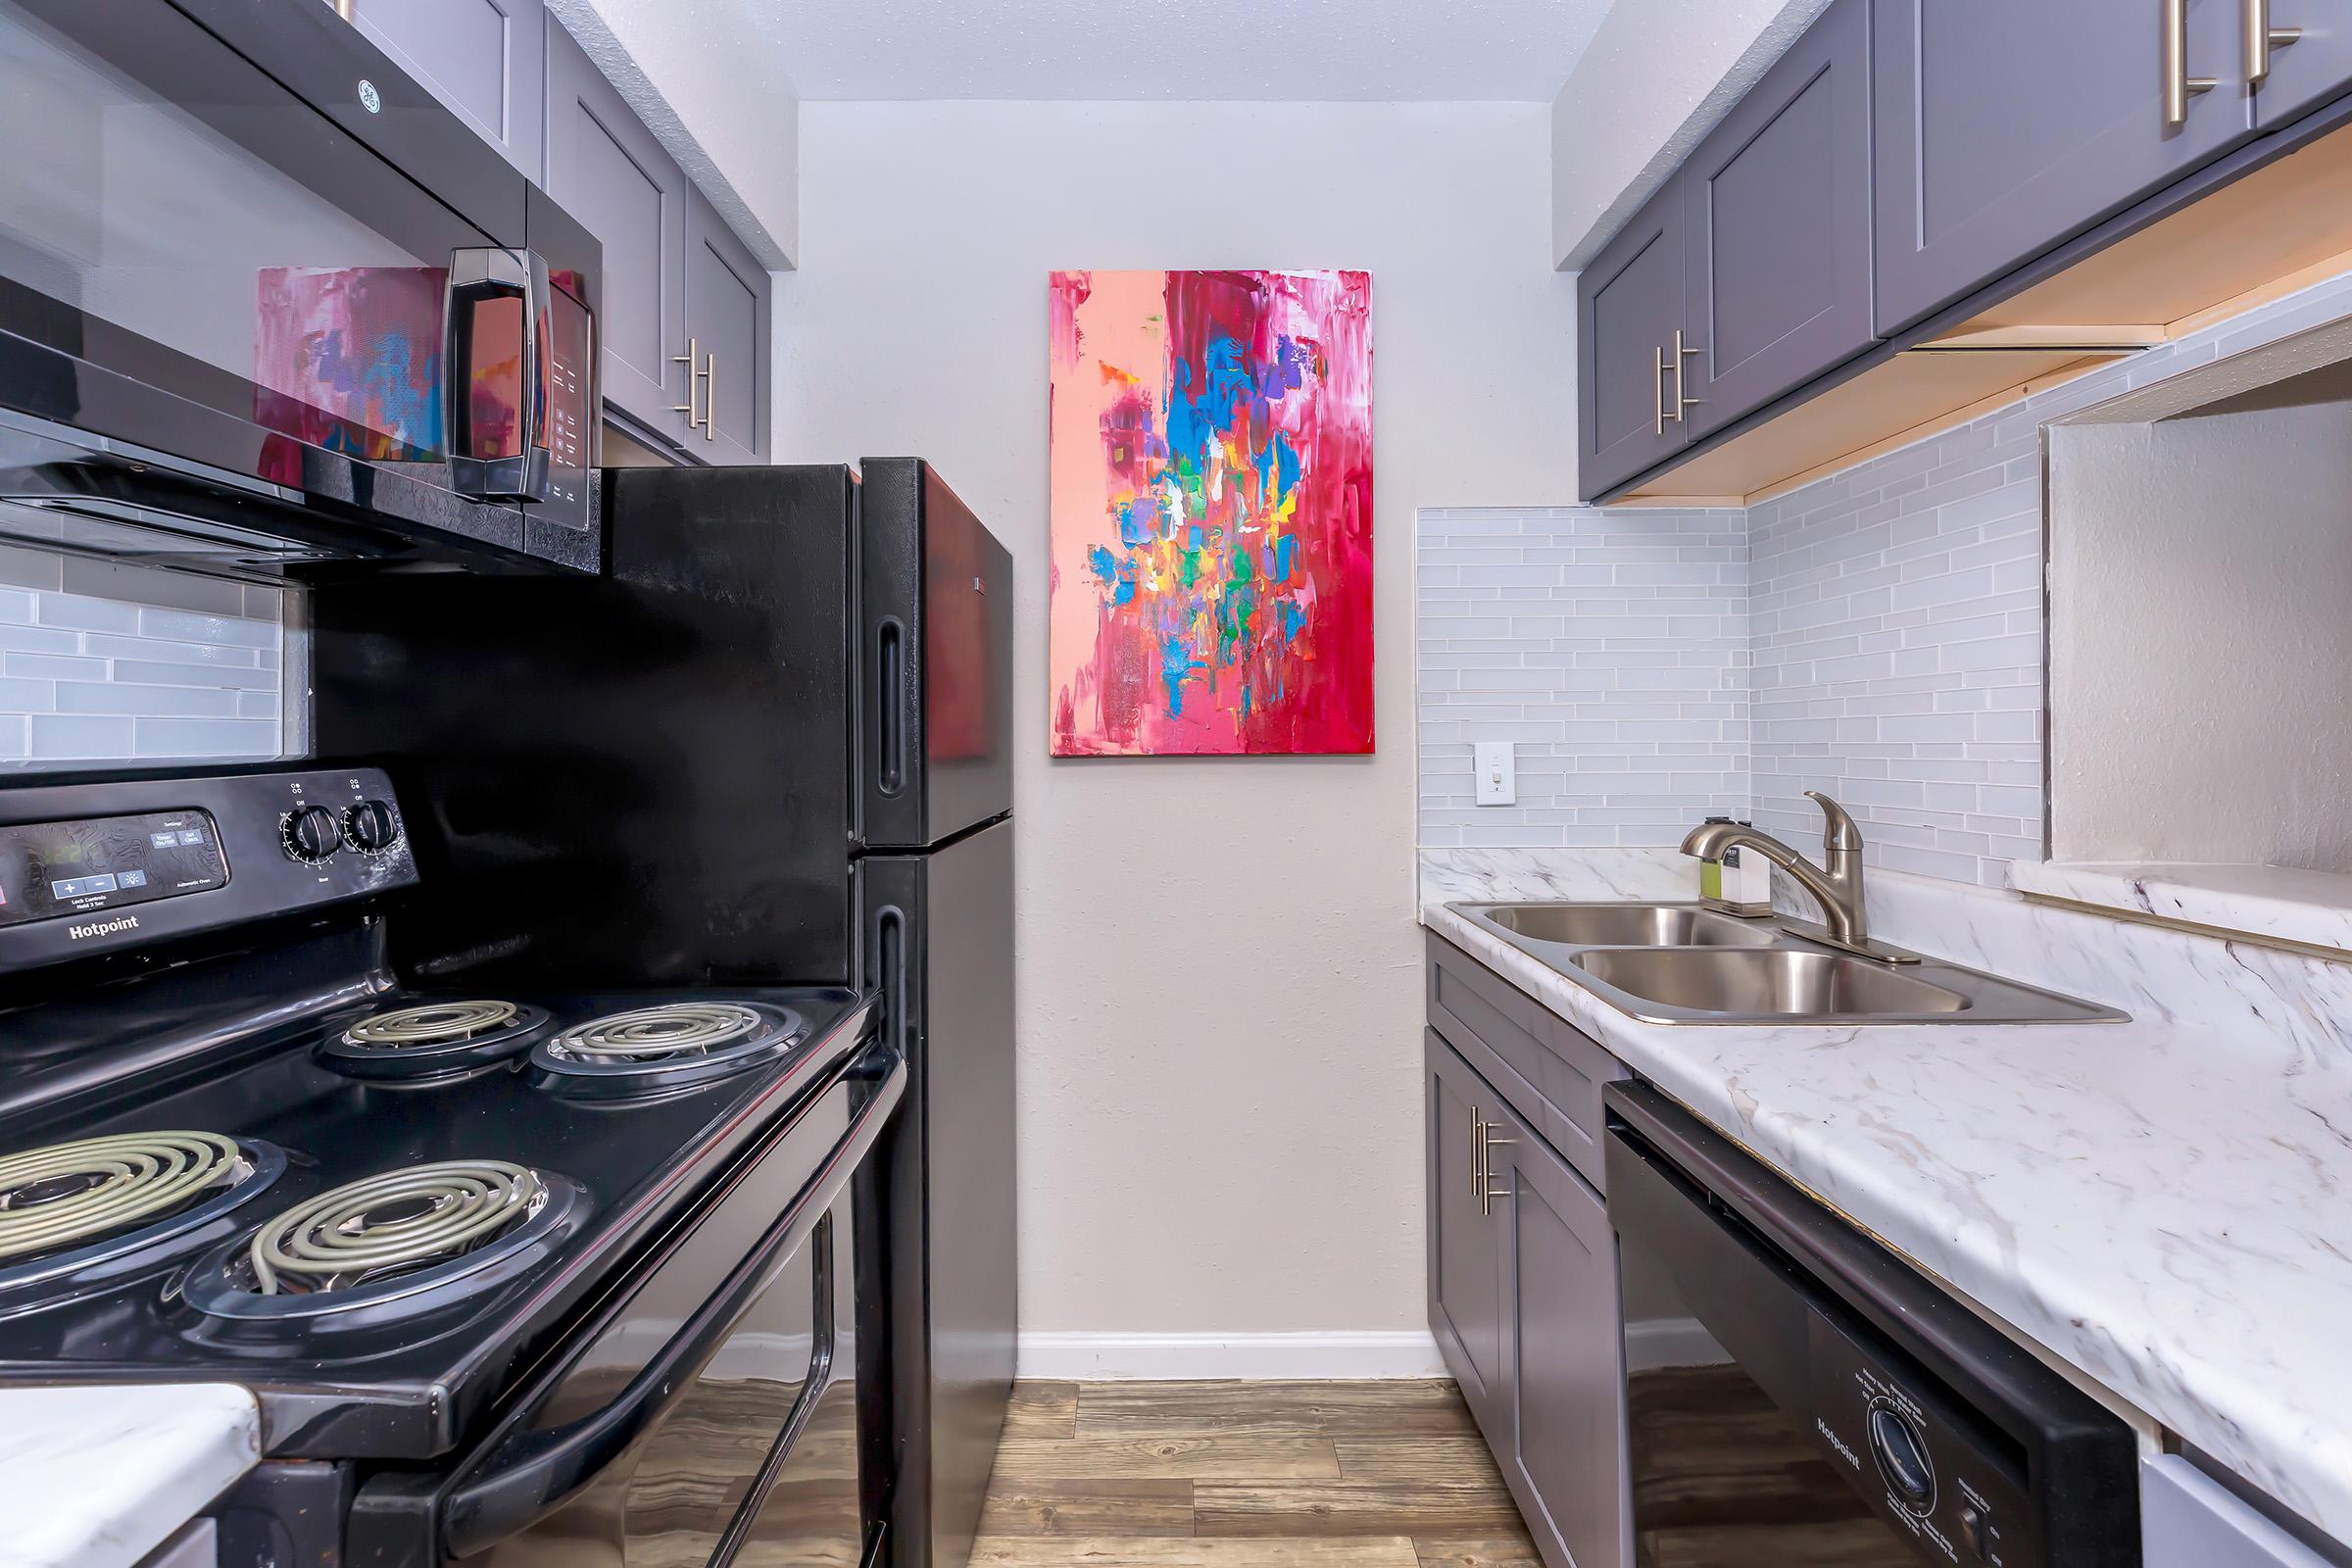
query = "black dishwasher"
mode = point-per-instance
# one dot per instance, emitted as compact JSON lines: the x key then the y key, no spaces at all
{"x":1799,"y":1398}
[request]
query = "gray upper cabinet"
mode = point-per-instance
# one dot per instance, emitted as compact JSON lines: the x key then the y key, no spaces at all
{"x":2005,"y":127}
{"x":1465,"y":1242}
{"x":607,"y":170}
{"x":481,"y":58}
{"x":2313,"y":69}
{"x":1628,"y":311}
{"x":1562,"y":1358}
{"x":727,"y":327}
{"x":1777,"y":213}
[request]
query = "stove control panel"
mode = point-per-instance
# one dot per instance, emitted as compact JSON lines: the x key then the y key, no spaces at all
{"x":50,"y":870}
{"x":85,"y":868}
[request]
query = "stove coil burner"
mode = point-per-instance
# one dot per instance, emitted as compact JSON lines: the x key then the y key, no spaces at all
{"x":76,"y":1217}
{"x":77,"y":1192}
{"x":391,"y":1245}
{"x":678,"y":1041}
{"x":434,"y":1039}
{"x":435,"y":1024}
{"x":388,"y":1225}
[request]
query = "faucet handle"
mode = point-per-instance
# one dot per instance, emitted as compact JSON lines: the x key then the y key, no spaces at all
{"x":1837,"y":830}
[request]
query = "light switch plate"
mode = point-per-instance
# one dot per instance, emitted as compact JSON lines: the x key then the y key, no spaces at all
{"x":1498,"y":773}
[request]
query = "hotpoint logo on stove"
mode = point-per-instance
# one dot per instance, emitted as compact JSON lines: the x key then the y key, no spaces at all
{"x":102,"y":928}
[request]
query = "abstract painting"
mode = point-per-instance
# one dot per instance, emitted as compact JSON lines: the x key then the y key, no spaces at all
{"x":1211,"y":516}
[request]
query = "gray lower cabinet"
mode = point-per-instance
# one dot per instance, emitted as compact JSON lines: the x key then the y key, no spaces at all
{"x":607,"y":170}
{"x":1523,"y":1303}
{"x":1465,"y":1246}
{"x":2006,"y":127}
{"x":727,"y":294}
{"x":484,"y":59}
{"x":2190,"y":1520}
{"x":1629,"y":310}
{"x":1777,"y":273}
{"x":2315,"y":68}
{"x":1562,"y":1352}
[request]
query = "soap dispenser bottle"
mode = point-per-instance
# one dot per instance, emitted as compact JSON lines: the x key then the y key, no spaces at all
{"x":1739,"y":884}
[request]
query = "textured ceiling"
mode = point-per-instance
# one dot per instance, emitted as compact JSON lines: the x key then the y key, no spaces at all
{"x":1272,"y":50}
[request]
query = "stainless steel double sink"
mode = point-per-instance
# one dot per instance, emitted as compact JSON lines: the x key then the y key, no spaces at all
{"x":1682,"y":964}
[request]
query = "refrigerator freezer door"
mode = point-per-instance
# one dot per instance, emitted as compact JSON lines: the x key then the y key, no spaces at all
{"x":936,"y":659}
{"x":938,"y":945}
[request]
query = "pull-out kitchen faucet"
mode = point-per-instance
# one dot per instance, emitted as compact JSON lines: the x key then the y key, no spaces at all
{"x":1835,"y":884}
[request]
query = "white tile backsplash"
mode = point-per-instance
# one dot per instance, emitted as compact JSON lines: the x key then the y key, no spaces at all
{"x":1611,"y":648}
{"x":1876,"y":634}
{"x":102,"y":664}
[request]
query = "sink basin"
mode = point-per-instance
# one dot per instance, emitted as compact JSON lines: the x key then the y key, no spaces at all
{"x":1679,"y":963}
{"x":1783,"y":982}
{"x":1626,"y":925}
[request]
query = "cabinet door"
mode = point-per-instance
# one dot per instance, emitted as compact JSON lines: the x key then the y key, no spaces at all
{"x":607,"y":170}
{"x":485,"y":59}
{"x":2190,"y":1520}
{"x":1629,"y":307}
{"x":726,"y":320}
{"x":1776,"y":269}
{"x":2309,"y":72}
{"x":1466,"y":1242}
{"x":1562,"y":1357}
{"x":2008,"y":126}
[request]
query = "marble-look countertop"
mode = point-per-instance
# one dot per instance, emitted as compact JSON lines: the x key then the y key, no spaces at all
{"x":2313,"y":908}
{"x":2161,"y":1205}
{"x":99,"y":1477}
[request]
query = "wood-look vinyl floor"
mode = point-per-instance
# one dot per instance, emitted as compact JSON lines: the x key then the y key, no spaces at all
{"x":1247,"y":1475}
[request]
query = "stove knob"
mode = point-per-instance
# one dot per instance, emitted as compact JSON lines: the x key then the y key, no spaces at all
{"x":370,"y":827}
{"x":311,"y":834}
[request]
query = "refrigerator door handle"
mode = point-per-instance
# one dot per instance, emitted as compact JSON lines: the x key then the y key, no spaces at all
{"x":890,"y":962}
{"x":890,"y":691}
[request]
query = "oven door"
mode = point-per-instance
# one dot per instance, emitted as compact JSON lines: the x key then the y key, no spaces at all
{"x":240,"y":335}
{"x":710,"y":1417}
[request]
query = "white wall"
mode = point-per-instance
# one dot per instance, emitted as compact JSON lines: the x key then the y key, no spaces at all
{"x":710,"y":87}
{"x":1656,"y":78}
{"x":2200,"y":570}
{"x":1220,"y":978}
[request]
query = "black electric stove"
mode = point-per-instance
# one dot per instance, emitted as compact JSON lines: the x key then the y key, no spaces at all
{"x":473,"y":1253}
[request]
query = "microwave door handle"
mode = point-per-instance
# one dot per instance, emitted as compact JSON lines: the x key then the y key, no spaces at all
{"x":531,"y":1474}
{"x":476,"y":278}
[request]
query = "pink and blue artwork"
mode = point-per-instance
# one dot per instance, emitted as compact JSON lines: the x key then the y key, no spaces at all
{"x":1211,"y":513}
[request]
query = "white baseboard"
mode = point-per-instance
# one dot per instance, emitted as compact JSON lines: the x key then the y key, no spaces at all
{"x":1128,"y":1357}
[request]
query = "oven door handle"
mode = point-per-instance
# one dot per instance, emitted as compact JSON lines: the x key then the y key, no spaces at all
{"x":531,"y":1474}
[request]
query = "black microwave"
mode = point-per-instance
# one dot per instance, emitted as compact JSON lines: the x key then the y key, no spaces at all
{"x":267,"y":309}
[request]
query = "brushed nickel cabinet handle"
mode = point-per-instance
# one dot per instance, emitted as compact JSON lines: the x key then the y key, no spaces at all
{"x":1684,"y":403}
{"x":1658,"y":391}
{"x":1485,"y":1167}
{"x":710,"y":397}
{"x":693,"y":375}
{"x":2262,"y":39}
{"x":2179,"y":85}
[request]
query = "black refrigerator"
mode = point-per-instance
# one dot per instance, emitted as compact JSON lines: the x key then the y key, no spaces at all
{"x":770,"y":745}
